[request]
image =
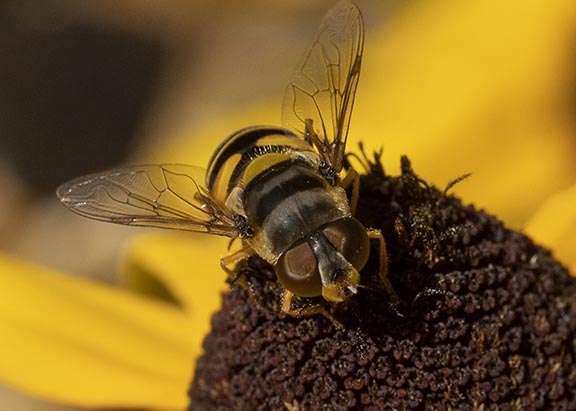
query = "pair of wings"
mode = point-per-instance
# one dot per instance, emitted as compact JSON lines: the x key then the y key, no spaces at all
{"x":317,"y":106}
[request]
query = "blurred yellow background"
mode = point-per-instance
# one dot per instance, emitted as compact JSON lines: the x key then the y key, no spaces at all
{"x":481,"y":87}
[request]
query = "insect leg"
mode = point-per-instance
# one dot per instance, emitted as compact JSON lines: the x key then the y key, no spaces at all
{"x":310,"y":135}
{"x":383,"y":270}
{"x":306,"y":311}
{"x":233,"y":259}
{"x":352,"y":178}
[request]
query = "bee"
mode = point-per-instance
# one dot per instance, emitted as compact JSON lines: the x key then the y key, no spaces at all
{"x":280,"y":190}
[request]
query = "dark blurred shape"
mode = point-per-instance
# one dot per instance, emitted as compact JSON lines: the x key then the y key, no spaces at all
{"x":71,"y":93}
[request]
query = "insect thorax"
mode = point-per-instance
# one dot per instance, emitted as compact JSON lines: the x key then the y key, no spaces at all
{"x":271,"y":176}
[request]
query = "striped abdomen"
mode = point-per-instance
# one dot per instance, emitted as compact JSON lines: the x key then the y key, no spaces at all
{"x":272,"y":178}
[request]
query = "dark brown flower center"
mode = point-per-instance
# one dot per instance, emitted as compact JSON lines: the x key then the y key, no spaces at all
{"x":486,"y":318}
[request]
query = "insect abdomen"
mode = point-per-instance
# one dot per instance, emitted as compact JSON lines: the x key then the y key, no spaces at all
{"x":228,"y":167}
{"x":289,"y":201}
{"x":271,"y":176}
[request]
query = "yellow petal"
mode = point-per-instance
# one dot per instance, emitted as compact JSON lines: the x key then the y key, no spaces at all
{"x":196,"y":146}
{"x":554,"y":226}
{"x":71,"y":341}
{"x":476,"y":87}
{"x":187,"y":265}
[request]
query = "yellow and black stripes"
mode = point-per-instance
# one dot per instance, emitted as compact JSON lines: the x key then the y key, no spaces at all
{"x":271,"y":176}
{"x":243,"y":149}
{"x":289,"y":202}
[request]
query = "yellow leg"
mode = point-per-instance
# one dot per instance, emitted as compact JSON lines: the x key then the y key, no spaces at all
{"x":232,"y":260}
{"x":310,"y":135}
{"x":383,"y":266}
{"x":307,"y":311}
{"x":352,"y":178}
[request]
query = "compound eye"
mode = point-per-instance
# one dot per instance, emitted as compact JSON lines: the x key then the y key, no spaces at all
{"x":297,"y":271}
{"x":349,"y":237}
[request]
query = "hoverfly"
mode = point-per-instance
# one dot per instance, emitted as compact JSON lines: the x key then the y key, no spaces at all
{"x":277,"y":189}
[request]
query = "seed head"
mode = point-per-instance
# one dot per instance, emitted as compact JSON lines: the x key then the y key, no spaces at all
{"x":487,"y":321}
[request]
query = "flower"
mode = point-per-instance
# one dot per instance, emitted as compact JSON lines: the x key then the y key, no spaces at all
{"x":475,"y":87}
{"x":486,"y":318}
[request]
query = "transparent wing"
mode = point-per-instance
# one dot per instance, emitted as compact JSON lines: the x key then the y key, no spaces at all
{"x":165,"y":196}
{"x":319,"y":99}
